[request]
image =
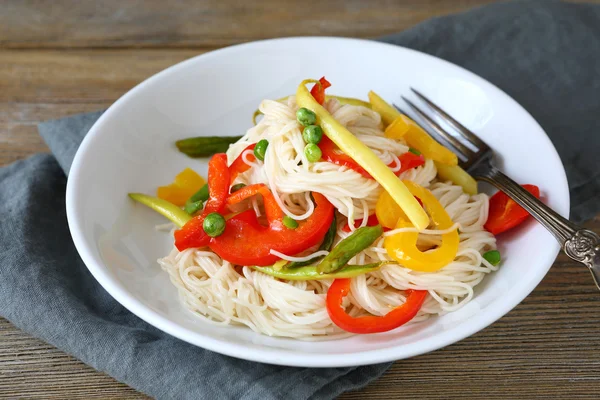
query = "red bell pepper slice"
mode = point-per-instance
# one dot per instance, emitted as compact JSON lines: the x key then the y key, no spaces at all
{"x":332,"y":154}
{"x":370,"y":324}
{"x":238,"y":165}
{"x":410,"y":161}
{"x":192,"y":233}
{"x":247,"y":242}
{"x":372,"y":221}
{"x":505,"y":213}
{"x":318,"y":90}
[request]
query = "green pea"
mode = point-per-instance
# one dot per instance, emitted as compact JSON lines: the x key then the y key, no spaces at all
{"x":312,"y":152}
{"x":290,"y":222}
{"x":260,"y":149}
{"x":306,"y":117}
{"x":214,"y":224}
{"x":414,"y":151}
{"x":492,"y":256}
{"x":191,"y":207}
{"x":312,"y":134}
{"x":237,"y":187}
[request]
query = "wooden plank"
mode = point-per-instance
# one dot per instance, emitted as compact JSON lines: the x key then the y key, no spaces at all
{"x":208,"y":23}
{"x":48,"y":76}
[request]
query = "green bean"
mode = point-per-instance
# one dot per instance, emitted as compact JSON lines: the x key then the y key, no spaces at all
{"x":349,"y":247}
{"x":310,"y":272}
{"x":163,"y":207}
{"x":205,"y":146}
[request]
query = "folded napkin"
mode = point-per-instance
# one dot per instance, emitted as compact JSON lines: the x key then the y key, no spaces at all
{"x":544,"y":54}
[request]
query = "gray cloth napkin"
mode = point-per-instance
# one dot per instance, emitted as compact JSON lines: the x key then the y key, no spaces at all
{"x":546,"y":55}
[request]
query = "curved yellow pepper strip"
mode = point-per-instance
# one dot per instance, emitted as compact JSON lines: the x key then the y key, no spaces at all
{"x":402,"y":247}
{"x":343,"y":100}
{"x":413,"y":134}
{"x":365,"y":157}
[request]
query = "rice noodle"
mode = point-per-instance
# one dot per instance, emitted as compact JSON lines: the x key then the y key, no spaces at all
{"x":222,"y":293}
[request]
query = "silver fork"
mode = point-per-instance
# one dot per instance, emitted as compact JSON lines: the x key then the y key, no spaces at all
{"x":582,"y":245}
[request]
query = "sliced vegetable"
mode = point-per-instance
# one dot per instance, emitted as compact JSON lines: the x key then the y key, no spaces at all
{"x":192,"y":233}
{"x":310,"y":272}
{"x":214,"y":224}
{"x":372,"y":221}
{"x":312,"y":134}
{"x":312,"y":152}
{"x":247,"y":242}
{"x":325,"y":245}
{"x":205,"y":146}
{"x":410,"y":160}
{"x":458,"y":176}
{"x":192,"y":207}
{"x":290,"y":222}
{"x":350,"y":100}
{"x":318,"y":90}
{"x":402,"y":247}
{"x":238,"y":166}
{"x":306,"y":117}
{"x":492,"y":256}
{"x":163,"y":207}
{"x":261,"y":149}
{"x":387,"y":112}
{"x":333,"y":154}
{"x":196,"y":201}
{"x":185,"y":184}
{"x":349,"y":247}
{"x":387,"y":211}
{"x":364,"y":156}
{"x":505,"y":213}
{"x":370,"y":324}
{"x":412,"y":133}
{"x":237,"y":187}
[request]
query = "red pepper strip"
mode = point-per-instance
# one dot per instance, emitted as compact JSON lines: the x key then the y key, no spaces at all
{"x":247,"y":242}
{"x":410,"y":161}
{"x":238,"y":165}
{"x":505,"y":213}
{"x":192,"y":233}
{"x":332,"y":154}
{"x":372,"y":221}
{"x":318,"y":91}
{"x":272,"y":210}
{"x":370,"y":324}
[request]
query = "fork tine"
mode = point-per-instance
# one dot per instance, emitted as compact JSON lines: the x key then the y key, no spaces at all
{"x":466,"y":133}
{"x":464,"y":150}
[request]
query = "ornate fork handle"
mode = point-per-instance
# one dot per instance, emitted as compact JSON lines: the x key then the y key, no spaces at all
{"x":580,"y":244}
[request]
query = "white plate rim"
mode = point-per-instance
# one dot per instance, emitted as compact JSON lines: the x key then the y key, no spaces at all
{"x":280,"y":356}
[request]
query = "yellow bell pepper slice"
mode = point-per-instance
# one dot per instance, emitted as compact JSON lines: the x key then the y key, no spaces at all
{"x":343,"y":100}
{"x":365,"y":157}
{"x":415,"y":136}
{"x":402,"y":247}
{"x":387,"y":211}
{"x":458,"y":176}
{"x":186,"y":183}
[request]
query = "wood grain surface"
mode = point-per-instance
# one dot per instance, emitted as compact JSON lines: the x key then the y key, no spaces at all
{"x":65,"y":57}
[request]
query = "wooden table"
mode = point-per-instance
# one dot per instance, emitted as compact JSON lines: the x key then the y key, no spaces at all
{"x":60,"y":58}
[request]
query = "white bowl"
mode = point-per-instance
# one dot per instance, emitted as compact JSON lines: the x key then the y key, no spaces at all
{"x":130,"y":149}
